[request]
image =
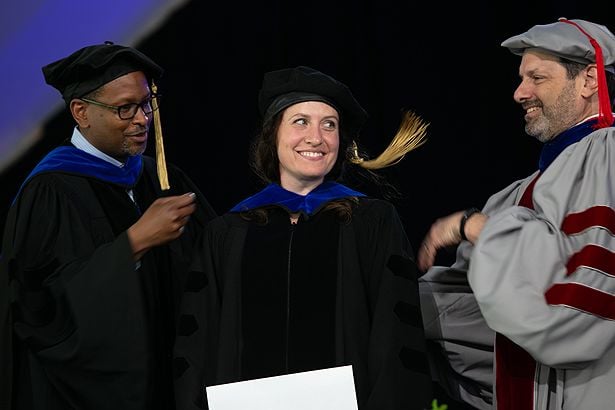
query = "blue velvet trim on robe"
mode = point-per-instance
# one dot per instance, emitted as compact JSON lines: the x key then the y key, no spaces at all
{"x":75,"y":161}
{"x":552,"y":149}
{"x":274,"y":194}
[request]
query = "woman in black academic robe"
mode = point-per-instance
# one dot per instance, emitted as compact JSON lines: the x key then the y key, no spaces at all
{"x":307,"y":273}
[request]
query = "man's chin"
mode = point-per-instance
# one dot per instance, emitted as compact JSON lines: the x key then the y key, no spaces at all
{"x":134,"y":151}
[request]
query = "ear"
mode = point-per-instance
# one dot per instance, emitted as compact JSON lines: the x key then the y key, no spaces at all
{"x":590,"y":84}
{"x":79,"y":111}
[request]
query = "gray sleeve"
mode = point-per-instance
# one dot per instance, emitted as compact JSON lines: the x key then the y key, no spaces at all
{"x":460,"y":344}
{"x":459,"y":340}
{"x":542,"y":276}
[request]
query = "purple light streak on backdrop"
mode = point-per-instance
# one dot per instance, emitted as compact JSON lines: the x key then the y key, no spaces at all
{"x":34,"y":33}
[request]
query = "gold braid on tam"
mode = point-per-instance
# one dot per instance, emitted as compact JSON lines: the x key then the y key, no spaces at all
{"x":410,"y":135}
{"x":161,"y":165}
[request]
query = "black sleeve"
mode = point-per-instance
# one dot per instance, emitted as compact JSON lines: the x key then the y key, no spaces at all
{"x":77,"y":304}
{"x":397,"y":358}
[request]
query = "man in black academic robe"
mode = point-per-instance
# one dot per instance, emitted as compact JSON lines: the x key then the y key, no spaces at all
{"x":94,"y":253}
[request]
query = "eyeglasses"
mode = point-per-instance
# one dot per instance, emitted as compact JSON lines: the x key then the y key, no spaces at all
{"x":128,"y":111}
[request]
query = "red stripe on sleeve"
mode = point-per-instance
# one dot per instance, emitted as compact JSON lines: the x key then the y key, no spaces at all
{"x":583,"y":298}
{"x":596,"y":216}
{"x":594,"y":257}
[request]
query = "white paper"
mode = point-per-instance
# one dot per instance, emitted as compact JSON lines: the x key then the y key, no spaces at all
{"x":326,"y":389}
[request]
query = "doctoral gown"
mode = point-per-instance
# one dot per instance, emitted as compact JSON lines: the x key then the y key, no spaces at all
{"x":266,"y":300}
{"x":542,"y":274}
{"x":83,"y":325}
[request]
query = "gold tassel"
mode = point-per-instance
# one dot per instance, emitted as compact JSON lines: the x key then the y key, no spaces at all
{"x":411,"y":135}
{"x":160,"y":160}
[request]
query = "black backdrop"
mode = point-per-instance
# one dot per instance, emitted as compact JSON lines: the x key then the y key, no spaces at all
{"x":441,"y":60}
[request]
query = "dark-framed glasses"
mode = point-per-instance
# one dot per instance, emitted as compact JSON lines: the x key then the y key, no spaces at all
{"x":128,"y":111}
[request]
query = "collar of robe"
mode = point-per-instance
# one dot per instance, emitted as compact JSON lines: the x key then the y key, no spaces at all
{"x":275,"y":195}
{"x":70,"y":160}
{"x":553,"y":148}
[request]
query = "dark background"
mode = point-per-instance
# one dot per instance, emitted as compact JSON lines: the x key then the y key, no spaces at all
{"x":442,"y":60}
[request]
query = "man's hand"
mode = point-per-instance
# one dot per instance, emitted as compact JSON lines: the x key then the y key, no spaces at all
{"x":445,"y":232}
{"x":162,"y":222}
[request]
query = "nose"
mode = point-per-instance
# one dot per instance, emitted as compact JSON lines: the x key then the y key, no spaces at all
{"x":313,"y":137}
{"x":522,"y":92}
{"x":141,"y":117}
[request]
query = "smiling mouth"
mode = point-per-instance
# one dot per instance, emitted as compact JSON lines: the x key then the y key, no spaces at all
{"x":138,"y":134}
{"x":140,"y":138}
{"x":310,"y":154}
{"x":531,"y":110}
